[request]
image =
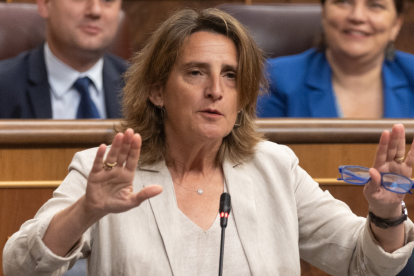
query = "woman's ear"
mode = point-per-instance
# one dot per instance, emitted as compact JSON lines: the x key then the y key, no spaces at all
{"x":397,"y":27}
{"x":156,"y":95}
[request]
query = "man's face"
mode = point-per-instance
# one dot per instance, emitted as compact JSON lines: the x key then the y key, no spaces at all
{"x":81,"y":25}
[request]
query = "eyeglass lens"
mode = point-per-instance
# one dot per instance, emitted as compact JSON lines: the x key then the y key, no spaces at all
{"x":396,"y":183}
{"x":355,"y":175}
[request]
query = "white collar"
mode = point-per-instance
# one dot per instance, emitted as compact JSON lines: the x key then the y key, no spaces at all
{"x":62,"y":77}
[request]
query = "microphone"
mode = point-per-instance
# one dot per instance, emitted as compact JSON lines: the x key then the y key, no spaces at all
{"x":224,"y":210}
{"x":225,"y":207}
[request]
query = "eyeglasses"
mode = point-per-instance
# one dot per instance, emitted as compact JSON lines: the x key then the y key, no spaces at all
{"x":392,"y":182}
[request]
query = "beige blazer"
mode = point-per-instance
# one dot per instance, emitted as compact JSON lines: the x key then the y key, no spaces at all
{"x":280,"y":213}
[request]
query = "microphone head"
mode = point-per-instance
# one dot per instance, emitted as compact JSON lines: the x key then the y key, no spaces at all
{"x":225,"y":203}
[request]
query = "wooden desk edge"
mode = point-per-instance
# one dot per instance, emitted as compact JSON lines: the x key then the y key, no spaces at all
{"x":29,"y":184}
{"x":91,"y":133}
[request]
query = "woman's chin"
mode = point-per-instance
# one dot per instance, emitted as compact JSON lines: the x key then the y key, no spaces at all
{"x":212,"y":134}
{"x":359,"y":53}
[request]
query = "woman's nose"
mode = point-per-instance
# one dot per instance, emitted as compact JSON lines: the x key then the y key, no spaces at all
{"x":214,"y":88}
{"x":358,"y":13}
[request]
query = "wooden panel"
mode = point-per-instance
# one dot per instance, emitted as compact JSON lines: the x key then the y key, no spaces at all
{"x":55,"y":133}
{"x":145,"y":16}
{"x":405,"y":40}
{"x":323,"y":160}
{"x":328,"y":131}
{"x":89,"y":133}
{"x":16,"y":207}
{"x":21,"y":1}
{"x":43,"y":149}
{"x":35,"y":163}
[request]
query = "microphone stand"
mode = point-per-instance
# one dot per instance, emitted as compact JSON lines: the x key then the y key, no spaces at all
{"x":221,"y":251}
{"x":225,"y":207}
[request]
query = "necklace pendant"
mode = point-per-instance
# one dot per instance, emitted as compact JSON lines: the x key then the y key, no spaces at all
{"x":200,"y":191}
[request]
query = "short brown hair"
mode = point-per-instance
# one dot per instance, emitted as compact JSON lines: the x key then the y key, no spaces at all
{"x":151,"y":68}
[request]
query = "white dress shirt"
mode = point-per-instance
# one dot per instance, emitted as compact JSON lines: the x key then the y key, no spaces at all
{"x":65,"y":98}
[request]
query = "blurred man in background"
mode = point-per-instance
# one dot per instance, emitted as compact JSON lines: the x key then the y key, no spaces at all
{"x":70,"y":76}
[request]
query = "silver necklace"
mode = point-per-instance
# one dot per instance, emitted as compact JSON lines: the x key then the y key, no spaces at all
{"x":199,"y":191}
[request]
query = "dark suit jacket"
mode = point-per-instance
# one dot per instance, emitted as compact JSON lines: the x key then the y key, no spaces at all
{"x":301,"y":86}
{"x":25,"y":91}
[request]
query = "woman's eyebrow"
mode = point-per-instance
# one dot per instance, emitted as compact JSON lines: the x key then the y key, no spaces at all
{"x":228,"y":67}
{"x":195,"y":64}
{"x":206,"y":65}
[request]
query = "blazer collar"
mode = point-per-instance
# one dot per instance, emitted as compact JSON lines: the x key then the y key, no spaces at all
{"x":38,"y":89}
{"x":322,"y":102}
{"x":241,"y":188}
{"x":393,"y":76}
{"x":112,"y":87}
{"x":321,"y":99}
{"x":163,"y":206}
{"x":396,"y":87}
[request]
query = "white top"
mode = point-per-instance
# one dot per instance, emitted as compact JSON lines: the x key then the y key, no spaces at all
{"x":201,"y":249}
{"x":65,"y":98}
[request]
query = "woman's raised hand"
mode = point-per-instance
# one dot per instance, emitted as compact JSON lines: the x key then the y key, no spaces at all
{"x":107,"y":191}
{"x":110,"y":190}
{"x":389,"y":158}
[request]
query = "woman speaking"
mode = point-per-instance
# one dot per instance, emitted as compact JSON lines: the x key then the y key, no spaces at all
{"x":148,"y":204}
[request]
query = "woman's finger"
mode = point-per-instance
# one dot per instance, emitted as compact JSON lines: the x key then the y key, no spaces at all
{"x":399,"y":133}
{"x":382,"y":150}
{"x":409,"y":161}
{"x":126,"y":146}
{"x":393,"y":143}
{"x":114,"y":150}
{"x":146,"y":193}
{"x":97,"y":164}
{"x":134,"y":153}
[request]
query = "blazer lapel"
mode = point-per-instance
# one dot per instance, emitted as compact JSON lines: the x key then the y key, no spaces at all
{"x":321,"y":95}
{"x":164,"y":208}
{"x":396,"y":92}
{"x":241,"y":188}
{"x":112,"y":86}
{"x":38,"y":88}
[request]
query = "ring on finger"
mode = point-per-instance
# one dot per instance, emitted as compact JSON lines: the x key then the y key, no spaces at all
{"x":399,"y":159}
{"x":108,"y":166}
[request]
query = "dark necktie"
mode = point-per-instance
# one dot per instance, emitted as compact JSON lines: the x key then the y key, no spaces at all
{"x":87,"y":108}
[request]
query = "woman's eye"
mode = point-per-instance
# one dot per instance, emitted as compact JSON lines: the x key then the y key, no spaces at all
{"x":231,"y":75}
{"x":195,"y":73}
{"x":342,"y":1}
{"x":376,"y":5}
